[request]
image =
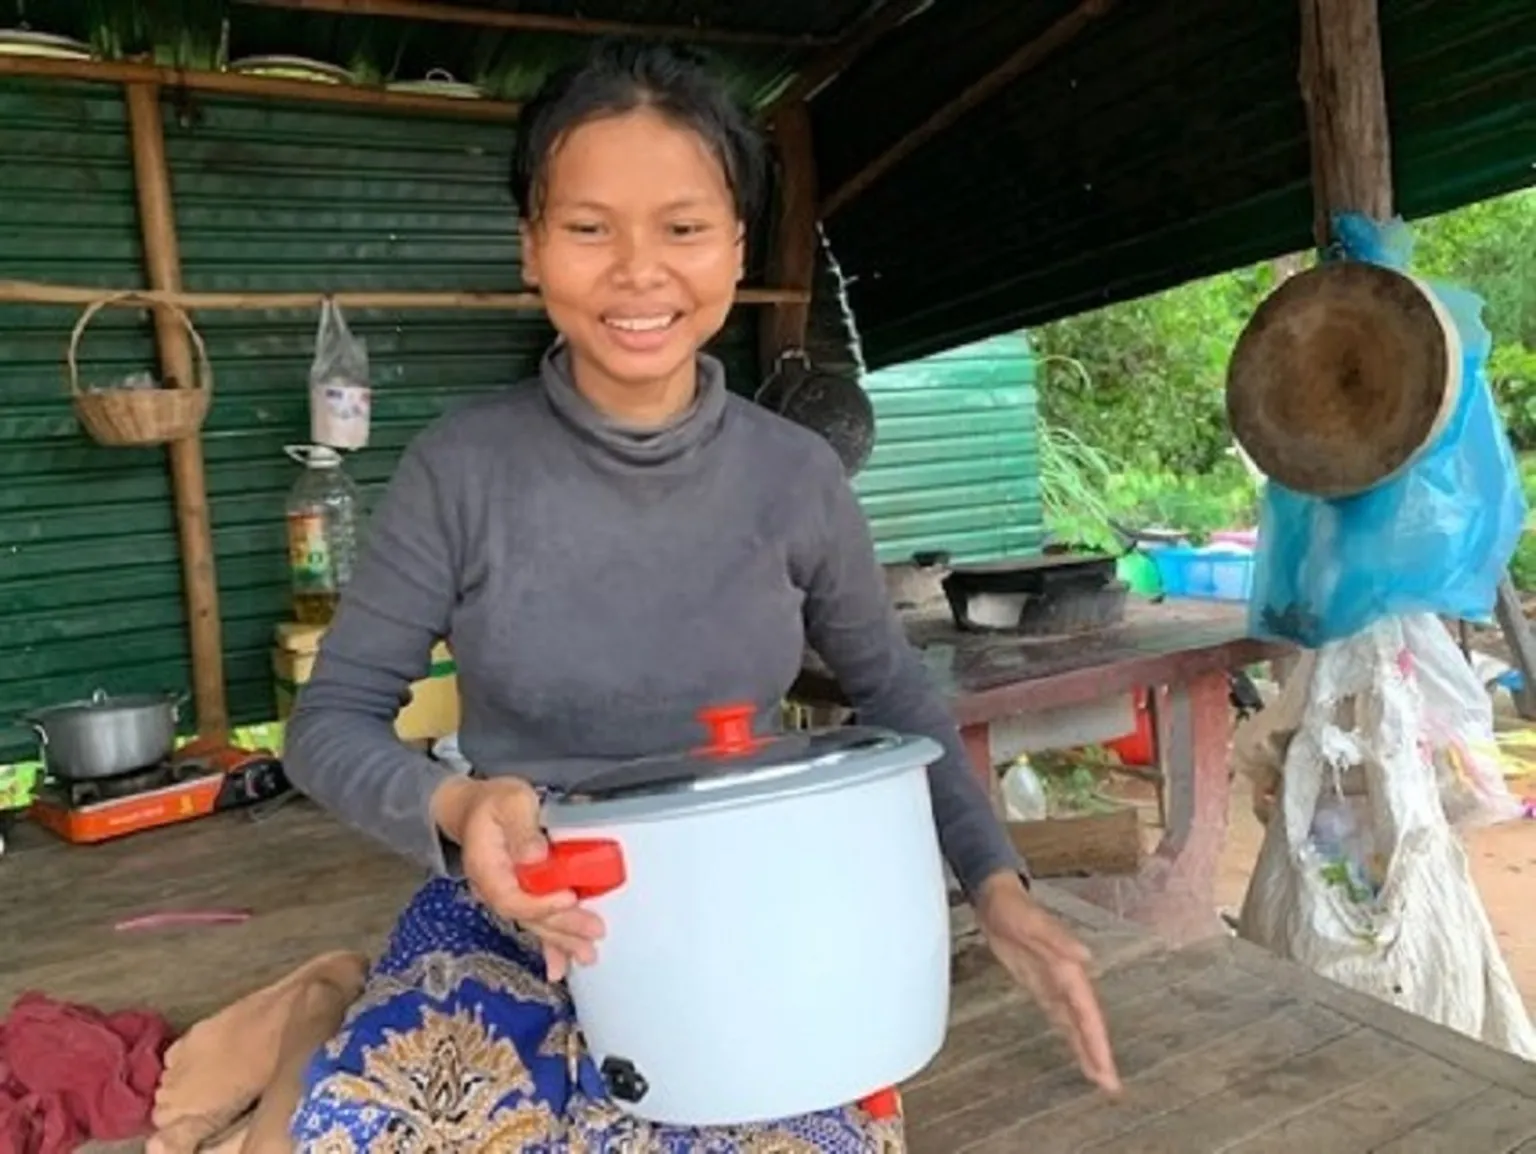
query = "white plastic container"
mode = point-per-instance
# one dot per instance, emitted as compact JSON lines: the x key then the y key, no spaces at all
{"x":777,"y":921}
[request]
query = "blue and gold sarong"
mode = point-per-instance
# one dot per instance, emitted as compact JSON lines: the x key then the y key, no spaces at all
{"x":459,"y":1044}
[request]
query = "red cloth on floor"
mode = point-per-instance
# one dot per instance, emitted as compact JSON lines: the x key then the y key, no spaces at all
{"x":70,"y":1073}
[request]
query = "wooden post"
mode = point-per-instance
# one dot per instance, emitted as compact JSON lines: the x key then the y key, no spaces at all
{"x":1346,"y":98}
{"x":162,"y":259}
{"x":792,"y":263}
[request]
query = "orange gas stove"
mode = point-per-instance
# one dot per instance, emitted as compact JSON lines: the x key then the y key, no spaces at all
{"x":196,"y":781}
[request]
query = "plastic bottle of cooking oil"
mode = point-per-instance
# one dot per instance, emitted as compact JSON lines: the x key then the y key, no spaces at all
{"x":323,"y":512}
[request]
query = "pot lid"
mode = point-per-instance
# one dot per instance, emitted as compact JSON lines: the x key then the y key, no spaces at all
{"x":736,"y":764}
{"x":438,"y":82}
{"x":103,"y":702}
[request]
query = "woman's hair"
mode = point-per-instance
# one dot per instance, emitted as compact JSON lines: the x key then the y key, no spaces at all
{"x":620,"y":77}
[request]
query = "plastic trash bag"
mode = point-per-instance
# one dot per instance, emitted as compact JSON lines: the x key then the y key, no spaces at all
{"x":340,"y":399}
{"x":1370,"y":887}
{"x":1456,"y":727}
{"x":1455,"y":731}
{"x":1437,"y":538}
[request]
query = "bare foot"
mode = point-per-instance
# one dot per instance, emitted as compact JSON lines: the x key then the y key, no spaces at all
{"x":217,"y":1070}
{"x":232,"y":1141}
{"x":313,"y":1018}
{"x":187,"y":1135}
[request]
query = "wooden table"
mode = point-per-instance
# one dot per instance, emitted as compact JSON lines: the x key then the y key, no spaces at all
{"x":1222,"y":1047}
{"x":998,"y":684}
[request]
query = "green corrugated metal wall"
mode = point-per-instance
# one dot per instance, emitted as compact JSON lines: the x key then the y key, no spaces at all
{"x":956,"y":459}
{"x":268,"y":197}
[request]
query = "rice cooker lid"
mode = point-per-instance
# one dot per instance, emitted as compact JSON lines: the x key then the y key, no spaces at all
{"x":734,"y":760}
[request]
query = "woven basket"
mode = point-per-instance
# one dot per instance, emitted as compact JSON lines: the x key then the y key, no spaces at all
{"x":157,"y":416}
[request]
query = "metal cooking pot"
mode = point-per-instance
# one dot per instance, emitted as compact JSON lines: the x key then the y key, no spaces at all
{"x":777,"y":920}
{"x":105,"y":735}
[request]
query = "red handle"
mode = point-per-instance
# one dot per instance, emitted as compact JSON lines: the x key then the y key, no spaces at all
{"x":589,"y":867}
{"x":882,"y":1104}
{"x":730,"y":730}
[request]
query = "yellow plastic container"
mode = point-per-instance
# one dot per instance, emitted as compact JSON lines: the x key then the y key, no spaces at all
{"x":432,"y":712}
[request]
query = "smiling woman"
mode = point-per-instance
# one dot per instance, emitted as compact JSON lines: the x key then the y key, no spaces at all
{"x":608,"y":549}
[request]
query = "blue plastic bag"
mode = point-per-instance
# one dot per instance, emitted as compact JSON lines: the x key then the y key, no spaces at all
{"x":1437,"y":538}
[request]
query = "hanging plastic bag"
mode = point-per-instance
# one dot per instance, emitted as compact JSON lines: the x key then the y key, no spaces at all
{"x":1371,"y":888}
{"x":1455,"y":731}
{"x":1435,"y":539}
{"x":1456,"y":727}
{"x":340,"y":399}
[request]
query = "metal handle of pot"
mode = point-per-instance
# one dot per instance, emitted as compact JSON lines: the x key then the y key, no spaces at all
{"x":588,"y":867}
{"x":32,"y":725}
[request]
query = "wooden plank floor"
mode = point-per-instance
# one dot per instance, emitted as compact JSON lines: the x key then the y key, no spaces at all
{"x":1223,"y":1048}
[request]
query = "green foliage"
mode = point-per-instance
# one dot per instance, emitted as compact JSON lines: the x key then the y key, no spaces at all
{"x":1223,"y":497}
{"x":1522,"y":566}
{"x":1144,"y":381}
{"x":1488,"y":248}
{"x":1074,"y":483}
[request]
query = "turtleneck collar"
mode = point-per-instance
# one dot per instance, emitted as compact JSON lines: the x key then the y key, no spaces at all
{"x":668,"y":442}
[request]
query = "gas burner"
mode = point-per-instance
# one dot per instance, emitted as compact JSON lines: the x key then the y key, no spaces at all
{"x":88,"y":791}
{"x":194,"y":784}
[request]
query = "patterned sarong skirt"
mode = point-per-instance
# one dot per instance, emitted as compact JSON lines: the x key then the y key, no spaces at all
{"x":460,"y":1045}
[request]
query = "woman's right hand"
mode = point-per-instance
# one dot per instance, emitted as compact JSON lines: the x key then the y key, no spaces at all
{"x":496,"y":825}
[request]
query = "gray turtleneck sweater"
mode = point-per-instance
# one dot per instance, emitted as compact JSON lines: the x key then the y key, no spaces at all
{"x":598,"y":586}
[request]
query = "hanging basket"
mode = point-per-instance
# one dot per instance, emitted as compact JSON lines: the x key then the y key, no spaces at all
{"x":140,"y":416}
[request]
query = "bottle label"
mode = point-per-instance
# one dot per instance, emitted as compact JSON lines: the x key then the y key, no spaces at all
{"x":309,"y":554}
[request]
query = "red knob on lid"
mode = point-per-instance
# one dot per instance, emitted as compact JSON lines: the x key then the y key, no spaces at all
{"x":730,"y":729}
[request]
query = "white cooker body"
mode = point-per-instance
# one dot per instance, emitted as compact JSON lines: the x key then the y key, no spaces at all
{"x":772,"y":958}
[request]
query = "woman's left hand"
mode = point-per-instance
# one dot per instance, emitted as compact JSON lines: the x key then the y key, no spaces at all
{"x":1053,"y":966}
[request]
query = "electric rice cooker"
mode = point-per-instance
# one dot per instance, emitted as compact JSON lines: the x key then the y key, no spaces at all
{"x":777,"y":920}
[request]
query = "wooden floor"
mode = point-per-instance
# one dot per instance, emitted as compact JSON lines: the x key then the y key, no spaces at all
{"x":1223,"y":1048}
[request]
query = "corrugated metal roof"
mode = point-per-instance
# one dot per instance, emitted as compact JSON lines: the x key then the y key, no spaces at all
{"x":956,"y":462}
{"x":268,"y":198}
{"x":1167,"y":142}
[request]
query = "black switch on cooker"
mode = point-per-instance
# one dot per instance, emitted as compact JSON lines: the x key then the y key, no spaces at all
{"x":624,"y":1082}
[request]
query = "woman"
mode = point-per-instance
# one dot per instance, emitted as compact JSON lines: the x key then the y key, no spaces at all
{"x":608,"y":548}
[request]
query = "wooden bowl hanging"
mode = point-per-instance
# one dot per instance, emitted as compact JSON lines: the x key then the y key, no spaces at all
{"x":139,"y":416}
{"x":1342,"y":377}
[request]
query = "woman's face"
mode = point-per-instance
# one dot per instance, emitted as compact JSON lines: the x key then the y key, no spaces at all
{"x":637,"y":251}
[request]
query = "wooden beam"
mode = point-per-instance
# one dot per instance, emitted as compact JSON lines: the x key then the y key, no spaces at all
{"x":269,"y":87}
{"x":1029,"y":56}
{"x":863,"y":36}
{"x":162,"y":259}
{"x":792,"y":263}
{"x":537,"y":22}
{"x":37,"y":293}
{"x":1346,"y":99}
